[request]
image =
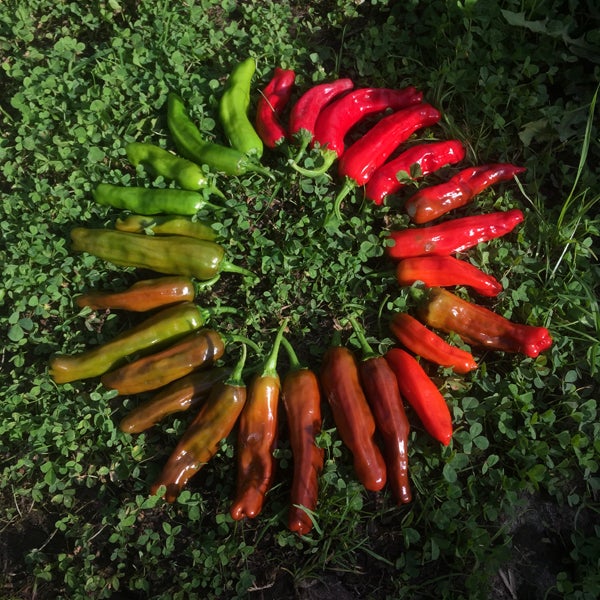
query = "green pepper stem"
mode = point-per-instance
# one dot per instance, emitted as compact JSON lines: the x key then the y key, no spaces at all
{"x":260,"y":169}
{"x":270,"y":368}
{"x":215,"y":191}
{"x":348,"y":186}
{"x":292,"y":356}
{"x":236,"y":337}
{"x":367,"y":351}
{"x":229,"y":267}
{"x":329,"y":158}
{"x":305,"y":138}
{"x":235,"y":379}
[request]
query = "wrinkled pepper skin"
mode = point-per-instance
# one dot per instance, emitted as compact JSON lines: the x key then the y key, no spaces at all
{"x":423,"y":342}
{"x":456,"y":235}
{"x":150,"y":201}
{"x":301,"y":398}
{"x":157,"y":331}
{"x":480,"y":326}
{"x":421,"y":393}
{"x":142,"y":296}
{"x":383,"y":394}
{"x":354,"y":420}
{"x":200,"y":442}
{"x":200,"y":348}
{"x":233,"y":110}
{"x":172,"y":254}
{"x":167,"y":225}
{"x":446,"y":271}
{"x":432,"y":202}
{"x":179,"y":396}
{"x":429,"y":157}
{"x":271,"y":103}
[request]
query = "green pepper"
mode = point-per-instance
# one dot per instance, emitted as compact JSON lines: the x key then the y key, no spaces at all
{"x":160,"y":329}
{"x":171,"y":254}
{"x":233,"y":110}
{"x":192,"y":145}
{"x":151,"y":201}
{"x":166,"y":225}
{"x":159,"y":161}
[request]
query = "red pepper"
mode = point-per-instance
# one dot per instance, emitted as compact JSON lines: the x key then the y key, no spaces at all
{"x":270,"y":105}
{"x":353,"y":417}
{"x":446,"y":271}
{"x":418,"y":389}
{"x":200,"y":441}
{"x":429,"y":157}
{"x":481,"y":326}
{"x":368,"y":153}
{"x":383,"y":394}
{"x":432,"y":202}
{"x":423,"y":342}
{"x":257,"y":435}
{"x":452,"y":236}
{"x":301,"y":398}
{"x":341,"y":115}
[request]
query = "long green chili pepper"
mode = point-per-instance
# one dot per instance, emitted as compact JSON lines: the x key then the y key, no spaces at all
{"x":233,"y":110}
{"x":166,"y":225}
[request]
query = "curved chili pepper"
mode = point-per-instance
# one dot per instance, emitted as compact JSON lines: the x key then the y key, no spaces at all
{"x":452,"y":236}
{"x":301,"y":399}
{"x":142,"y":296}
{"x":423,"y":342}
{"x":167,"y":225}
{"x":446,"y":271}
{"x":432,"y":202}
{"x":304,"y":113}
{"x":159,"y":161}
{"x":418,"y":389}
{"x":180,"y":395}
{"x":383,"y":394}
{"x":353,"y":418}
{"x":233,"y":110}
{"x":368,"y":153}
{"x":190,"y":143}
{"x":200,"y":441}
{"x":341,"y":115}
{"x":156,"y":331}
{"x":172,"y":254}
{"x":481,"y":326}
{"x":428,"y":157}
{"x":257,"y":435}
{"x":200,"y":348}
{"x":151,"y":201}
{"x":270,"y":105}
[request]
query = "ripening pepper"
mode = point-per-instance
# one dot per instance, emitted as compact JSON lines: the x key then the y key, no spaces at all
{"x":166,"y":225}
{"x":480,"y":326}
{"x":142,"y":296}
{"x":157,"y":331}
{"x":200,"y":441}
{"x":197,"y":349}
{"x":353,"y":418}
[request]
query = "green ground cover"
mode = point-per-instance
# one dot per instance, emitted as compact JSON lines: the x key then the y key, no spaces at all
{"x":508,"y":510}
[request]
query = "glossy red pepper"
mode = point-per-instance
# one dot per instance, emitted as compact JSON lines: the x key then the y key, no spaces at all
{"x":341,"y":115}
{"x":481,"y":326}
{"x":428,"y":157}
{"x":418,"y":389}
{"x":200,"y":441}
{"x":257,"y":435}
{"x":354,"y":420}
{"x":446,"y":271}
{"x":452,"y":236}
{"x":301,"y":399}
{"x":423,"y":342}
{"x":270,"y":105}
{"x":432,"y":202}
{"x":383,"y":394}
{"x":369,"y":152}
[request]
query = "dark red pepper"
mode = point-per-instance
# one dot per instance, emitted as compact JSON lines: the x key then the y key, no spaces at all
{"x":452,"y":236}
{"x":341,"y":115}
{"x":432,"y":202}
{"x":271,"y":103}
{"x":446,"y":271}
{"x":428,"y":157}
{"x":423,"y":342}
{"x":480,"y":326}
